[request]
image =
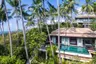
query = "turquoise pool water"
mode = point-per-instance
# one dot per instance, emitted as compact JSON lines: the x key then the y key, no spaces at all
{"x":74,"y":49}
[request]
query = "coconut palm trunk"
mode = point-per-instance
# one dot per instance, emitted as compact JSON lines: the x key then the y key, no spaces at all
{"x":17,"y":31}
{"x":48,"y":30}
{"x":50,"y":40}
{"x":8,"y":28}
{"x":14,"y":4}
{"x":39,"y":24}
{"x":71,"y":20}
{"x":24,"y":33}
{"x":58,"y":11}
{"x":17,"y":27}
{"x":3,"y":34}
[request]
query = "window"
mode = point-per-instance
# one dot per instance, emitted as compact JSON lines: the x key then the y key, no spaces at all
{"x":65,"y":40}
{"x":73,"y":41}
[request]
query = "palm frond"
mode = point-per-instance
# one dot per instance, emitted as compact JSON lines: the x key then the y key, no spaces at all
{"x":10,"y":2}
{"x":52,"y":8}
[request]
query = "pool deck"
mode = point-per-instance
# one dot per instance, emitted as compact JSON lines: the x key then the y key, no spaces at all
{"x":91,"y":51}
{"x":71,"y":55}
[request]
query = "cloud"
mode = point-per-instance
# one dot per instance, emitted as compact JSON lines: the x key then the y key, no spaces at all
{"x":79,"y":10}
{"x":0,"y":2}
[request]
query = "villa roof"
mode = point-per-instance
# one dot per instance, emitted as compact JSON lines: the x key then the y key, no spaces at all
{"x":75,"y":32}
{"x":90,"y":16}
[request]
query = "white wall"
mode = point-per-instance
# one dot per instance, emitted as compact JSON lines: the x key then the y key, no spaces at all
{"x":65,"y":41}
{"x":80,"y":42}
{"x":95,"y":43}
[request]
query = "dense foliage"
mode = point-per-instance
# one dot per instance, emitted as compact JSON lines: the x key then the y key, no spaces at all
{"x":93,"y":24}
{"x":10,"y":60}
{"x":22,"y":47}
{"x":34,"y":40}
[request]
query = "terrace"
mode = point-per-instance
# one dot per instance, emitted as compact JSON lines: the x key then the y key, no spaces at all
{"x":75,"y":42}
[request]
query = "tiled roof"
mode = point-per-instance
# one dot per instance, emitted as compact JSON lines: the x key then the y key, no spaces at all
{"x":85,"y":16}
{"x":75,"y":32}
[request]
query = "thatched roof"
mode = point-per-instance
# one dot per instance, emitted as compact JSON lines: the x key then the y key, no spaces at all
{"x":90,"y":16}
{"x":75,"y":32}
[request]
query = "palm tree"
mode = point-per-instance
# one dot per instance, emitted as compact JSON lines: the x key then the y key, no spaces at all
{"x":2,"y":19}
{"x":36,"y":14}
{"x":45,"y":15}
{"x":94,"y":7}
{"x":88,"y":8}
{"x":24,"y":33}
{"x":64,"y":12}
{"x":3,"y":6}
{"x":15,"y":5}
{"x":16,"y":12}
{"x":58,"y":11}
{"x":39,"y":11}
{"x":52,"y":13}
{"x":2,"y":24}
{"x":71,"y":9}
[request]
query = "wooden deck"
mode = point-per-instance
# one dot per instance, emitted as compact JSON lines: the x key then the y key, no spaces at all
{"x":75,"y":57}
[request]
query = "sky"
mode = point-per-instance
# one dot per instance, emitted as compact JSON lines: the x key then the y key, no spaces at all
{"x":29,"y":2}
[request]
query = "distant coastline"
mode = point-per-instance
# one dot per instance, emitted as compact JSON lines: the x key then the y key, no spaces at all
{"x":6,"y":32}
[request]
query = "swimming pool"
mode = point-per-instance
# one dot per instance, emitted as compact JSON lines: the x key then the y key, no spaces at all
{"x":74,"y":49}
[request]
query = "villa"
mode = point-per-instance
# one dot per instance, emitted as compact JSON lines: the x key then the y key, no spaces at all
{"x":85,"y":19}
{"x":79,"y":42}
{"x":76,"y":43}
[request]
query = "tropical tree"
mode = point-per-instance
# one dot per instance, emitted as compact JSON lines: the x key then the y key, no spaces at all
{"x":12,"y":60}
{"x":64,"y":12}
{"x":35,"y":41}
{"x":52,"y":12}
{"x":16,"y":13}
{"x":15,"y":5}
{"x":88,"y":8}
{"x":45,"y":16}
{"x":24,"y":33}
{"x":41,"y":13}
{"x":2,"y":24}
{"x":2,"y":19}
{"x":93,"y":24}
{"x":94,"y":7}
{"x":58,"y":11}
{"x":71,"y":9}
{"x":36,"y":9}
{"x":3,"y":6}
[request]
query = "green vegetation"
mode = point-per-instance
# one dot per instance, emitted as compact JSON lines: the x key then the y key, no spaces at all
{"x":24,"y":47}
{"x":10,"y":60}
{"x":93,"y":24}
{"x":34,"y":41}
